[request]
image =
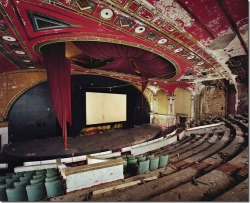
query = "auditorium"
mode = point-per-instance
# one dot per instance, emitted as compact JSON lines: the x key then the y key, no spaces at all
{"x":124,"y":100}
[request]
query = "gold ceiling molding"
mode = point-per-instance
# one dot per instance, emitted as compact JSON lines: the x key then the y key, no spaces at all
{"x":39,"y":45}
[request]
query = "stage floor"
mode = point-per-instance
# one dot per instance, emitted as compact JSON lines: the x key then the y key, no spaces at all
{"x":51,"y":148}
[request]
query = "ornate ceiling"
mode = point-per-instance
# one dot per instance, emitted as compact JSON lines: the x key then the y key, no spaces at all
{"x":203,"y":39}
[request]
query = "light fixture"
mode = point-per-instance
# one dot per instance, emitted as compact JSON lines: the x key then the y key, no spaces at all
{"x":178,"y":50}
{"x":200,"y":63}
{"x":162,"y":41}
{"x":26,"y":61}
{"x":8,"y":38}
{"x":190,"y":57}
{"x":31,"y":67}
{"x":106,"y":13}
{"x":140,"y":29}
{"x":20,"y":52}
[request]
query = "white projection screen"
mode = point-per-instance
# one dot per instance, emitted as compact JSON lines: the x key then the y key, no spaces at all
{"x":105,"y":108}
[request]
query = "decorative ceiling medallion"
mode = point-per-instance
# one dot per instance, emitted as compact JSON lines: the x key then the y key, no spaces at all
{"x":190,"y":57}
{"x":140,"y":29}
{"x":106,"y":13}
{"x":200,"y":63}
{"x":8,"y":38}
{"x":178,"y":50}
{"x":20,"y":52}
{"x":162,"y":41}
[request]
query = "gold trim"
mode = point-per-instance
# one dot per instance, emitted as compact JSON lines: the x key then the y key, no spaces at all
{"x":39,"y":45}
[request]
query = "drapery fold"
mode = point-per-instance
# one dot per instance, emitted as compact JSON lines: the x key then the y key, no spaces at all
{"x":126,"y":59}
{"x":59,"y":79}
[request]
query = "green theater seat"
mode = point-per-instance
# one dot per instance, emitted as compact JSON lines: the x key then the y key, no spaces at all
{"x":3,"y":195}
{"x":54,"y":188}
{"x":36,"y":192}
{"x":154,"y":163}
{"x":163,"y":161}
{"x":16,"y":194}
{"x":143,"y":166}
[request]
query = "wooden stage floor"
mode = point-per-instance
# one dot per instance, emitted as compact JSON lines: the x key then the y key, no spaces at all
{"x":52,"y":148}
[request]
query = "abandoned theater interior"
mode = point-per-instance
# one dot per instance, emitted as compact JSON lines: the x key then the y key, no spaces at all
{"x":124,"y":100}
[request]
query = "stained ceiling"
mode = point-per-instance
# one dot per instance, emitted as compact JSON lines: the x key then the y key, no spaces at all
{"x":203,"y":39}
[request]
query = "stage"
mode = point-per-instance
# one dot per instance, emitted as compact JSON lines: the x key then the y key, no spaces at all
{"x":52,"y":148}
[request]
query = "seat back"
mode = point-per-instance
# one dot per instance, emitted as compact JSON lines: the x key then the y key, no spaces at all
{"x":51,"y":174}
{"x":143,"y":166}
{"x":16,"y":194}
{"x":39,"y":176}
{"x":150,"y":156}
{"x":26,"y":178}
{"x":36,"y":192}
{"x":52,"y":178}
{"x":132,"y":166}
{"x":54,"y":188}
{"x":42,"y":171}
{"x":3,"y":195}
{"x":163,"y":161}
{"x":141,"y":158}
{"x":154,"y":163}
{"x":21,"y":184}
{"x":35,"y":181}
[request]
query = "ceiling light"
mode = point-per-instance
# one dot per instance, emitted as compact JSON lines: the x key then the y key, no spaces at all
{"x":190,"y":57}
{"x":140,"y":29}
{"x":178,"y":50}
{"x":106,"y":13}
{"x":200,"y":63}
{"x":26,"y":61}
{"x":162,"y":41}
{"x":31,"y":67}
{"x":20,"y":52}
{"x":8,"y":38}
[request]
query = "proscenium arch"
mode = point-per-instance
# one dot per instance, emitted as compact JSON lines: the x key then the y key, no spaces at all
{"x":182,"y":101}
{"x":38,"y":48}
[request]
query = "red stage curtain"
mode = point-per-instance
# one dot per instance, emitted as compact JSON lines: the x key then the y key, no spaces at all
{"x":59,"y":78}
{"x":126,"y":59}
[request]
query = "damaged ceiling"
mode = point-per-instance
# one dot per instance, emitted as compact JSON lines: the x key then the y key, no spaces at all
{"x":203,"y":39}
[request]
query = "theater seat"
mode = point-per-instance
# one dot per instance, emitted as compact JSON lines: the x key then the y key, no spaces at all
{"x":52,"y":178}
{"x":54,"y":188}
{"x":51,"y":174}
{"x":21,"y":184}
{"x":163,"y":161}
{"x":26,"y":178}
{"x":35,"y":181}
{"x":42,"y":171}
{"x":3,"y":195}
{"x":150,"y":156}
{"x":132,"y":166}
{"x":36,"y":192}
{"x":142,"y":158}
{"x":16,"y":194}
{"x":154,"y":163}
{"x":143,"y":166}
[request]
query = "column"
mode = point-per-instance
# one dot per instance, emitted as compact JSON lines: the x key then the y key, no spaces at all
{"x":192,"y":107}
{"x":4,"y":134}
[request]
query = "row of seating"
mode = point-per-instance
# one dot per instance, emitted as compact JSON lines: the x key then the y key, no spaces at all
{"x":31,"y":185}
{"x":142,"y":164}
